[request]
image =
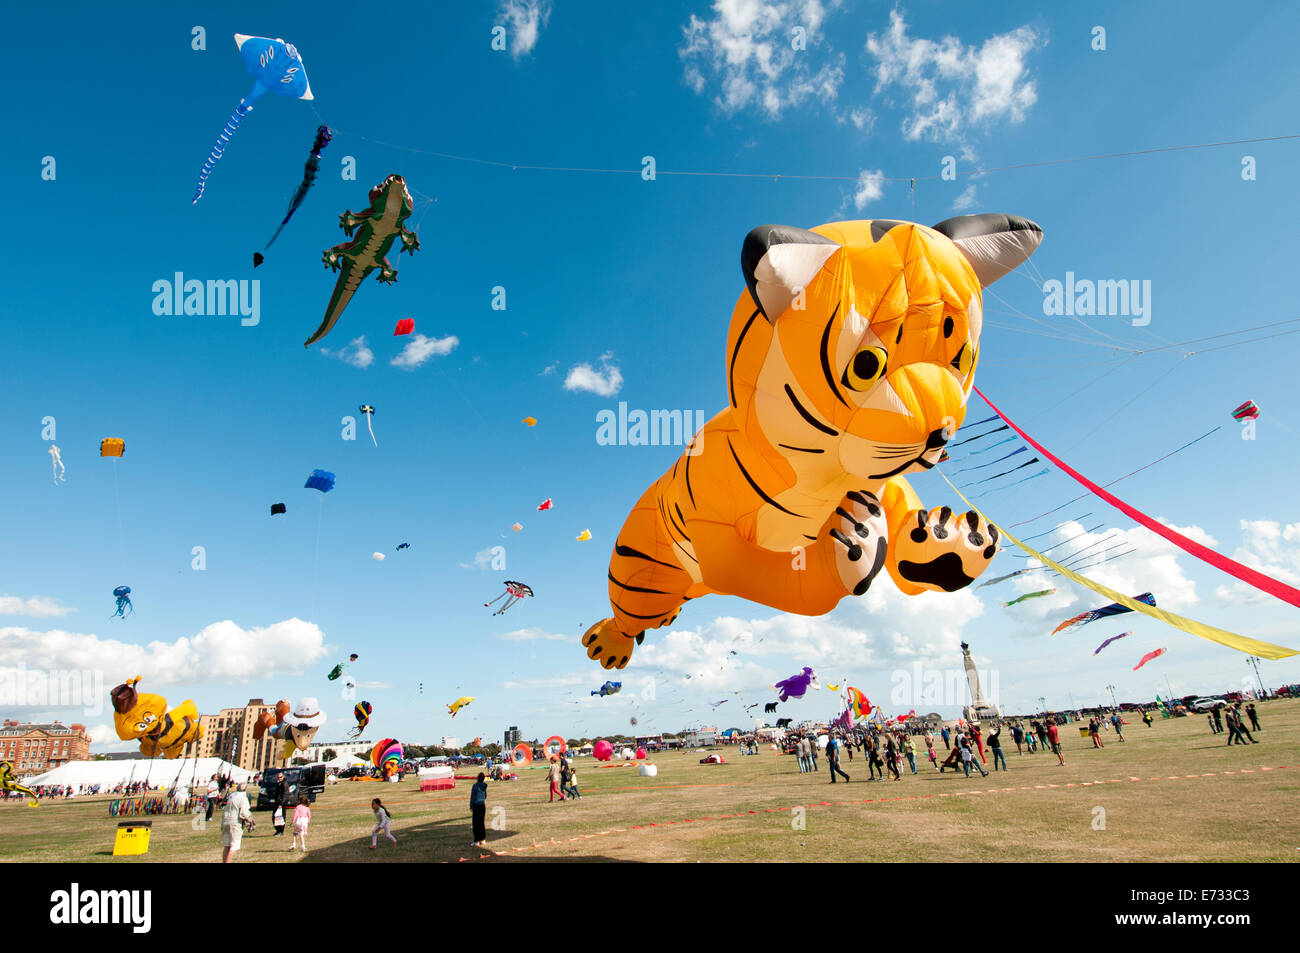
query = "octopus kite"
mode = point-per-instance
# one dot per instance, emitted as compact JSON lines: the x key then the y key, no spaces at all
{"x":376,"y":229}
{"x":849,"y":361}
{"x":515,"y":591}
{"x":124,"y":608}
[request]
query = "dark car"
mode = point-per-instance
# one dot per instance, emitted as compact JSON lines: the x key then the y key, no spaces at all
{"x":297,"y":781}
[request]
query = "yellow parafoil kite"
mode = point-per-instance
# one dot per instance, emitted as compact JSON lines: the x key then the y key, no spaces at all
{"x":458,"y":704}
{"x":112,"y":447}
{"x":584,"y":536}
{"x":849,"y":360}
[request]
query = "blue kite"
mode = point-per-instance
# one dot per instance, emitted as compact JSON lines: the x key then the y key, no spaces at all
{"x":275,"y":67}
{"x":124,"y":607}
{"x":609,"y":688}
{"x":321,"y":480}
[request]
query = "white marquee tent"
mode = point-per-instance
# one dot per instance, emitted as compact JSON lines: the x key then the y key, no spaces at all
{"x":161,"y":772}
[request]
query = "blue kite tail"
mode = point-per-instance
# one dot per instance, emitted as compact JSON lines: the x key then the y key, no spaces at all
{"x":218,"y":147}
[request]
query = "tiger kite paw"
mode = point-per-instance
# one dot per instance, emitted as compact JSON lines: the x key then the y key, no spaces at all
{"x":944,"y":551}
{"x":608,"y":646}
{"x":859,"y":539}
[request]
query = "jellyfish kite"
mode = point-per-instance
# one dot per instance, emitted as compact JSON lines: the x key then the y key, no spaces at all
{"x":342,"y":667}
{"x":361,"y":711}
{"x":515,"y":591}
{"x":309,"y":173}
{"x":275,"y":67}
{"x":124,"y":608}
{"x":370,"y":415}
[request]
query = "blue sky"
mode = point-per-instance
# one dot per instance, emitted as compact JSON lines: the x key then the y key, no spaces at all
{"x":635,"y":280}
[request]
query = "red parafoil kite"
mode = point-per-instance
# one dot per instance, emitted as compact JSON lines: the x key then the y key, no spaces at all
{"x":1148,"y":657}
{"x":404,"y":326}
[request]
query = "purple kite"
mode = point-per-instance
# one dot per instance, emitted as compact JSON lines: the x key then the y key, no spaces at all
{"x":1110,"y":640}
{"x":795,"y":686}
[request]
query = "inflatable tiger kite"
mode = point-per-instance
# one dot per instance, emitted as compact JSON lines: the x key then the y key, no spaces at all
{"x":849,"y":361}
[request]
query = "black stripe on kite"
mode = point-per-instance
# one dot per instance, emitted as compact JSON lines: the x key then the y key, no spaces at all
{"x":623,"y":585}
{"x":801,"y":449}
{"x":826,"y":358}
{"x":631,"y":553}
{"x":731,"y":370}
{"x":807,"y":416}
{"x":758,"y":489}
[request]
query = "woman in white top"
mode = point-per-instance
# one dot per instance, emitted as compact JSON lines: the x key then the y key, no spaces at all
{"x":236,"y":812}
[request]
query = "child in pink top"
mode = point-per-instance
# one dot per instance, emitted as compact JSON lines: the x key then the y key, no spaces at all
{"x":301,"y":817}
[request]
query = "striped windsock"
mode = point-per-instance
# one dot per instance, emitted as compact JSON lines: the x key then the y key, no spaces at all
{"x":218,"y":147}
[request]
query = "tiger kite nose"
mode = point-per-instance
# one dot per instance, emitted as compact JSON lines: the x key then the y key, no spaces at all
{"x":937,"y":438}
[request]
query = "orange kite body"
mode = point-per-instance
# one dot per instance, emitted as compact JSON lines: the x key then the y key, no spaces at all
{"x":849,"y":360}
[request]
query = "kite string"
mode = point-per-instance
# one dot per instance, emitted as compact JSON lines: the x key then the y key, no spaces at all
{"x":777,"y":176}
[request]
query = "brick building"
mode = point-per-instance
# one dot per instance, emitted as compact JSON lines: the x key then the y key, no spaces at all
{"x":34,"y":749}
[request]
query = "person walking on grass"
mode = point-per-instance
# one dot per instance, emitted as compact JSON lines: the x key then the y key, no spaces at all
{"x":1210,"y":719}
{"x":553,"y":774}
{"x":873,"y":757}
{"x":995,"y":744}
{"x":234,"y":816}
{"x":1237,"y":733}
{"x":1146,"y":717}
{"x":569,"y":781}
{"x":1254,"y":719}
{"x":812,"y":752}
{"x":833,"y":758}
{"x":383,"y":822}
{"x":478,"y":811}
{"x":277,"y":819}
{"x":1094,"y":732}
{"x":913,"y":749}
{"x":929,"y":749}
{"x":1118,"y":722}
{"x":891,"y":758}
{"x":944,"y":733}
{"x":1018,"y":736}
{"x":1054,"y":739}
{"x":1218,"y":721}
{"x":301,"y":818}
{"x":801,"y":749}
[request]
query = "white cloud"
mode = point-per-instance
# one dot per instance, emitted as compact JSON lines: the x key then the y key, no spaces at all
{"x":38,"y":607}
{"x":965,"y":200}
{"x":550,"y":368}
{"x":524,"y":20}
{"x":1270,"y":547}
{"x":220,"y":651}
{"x":605,"y":381}
{"x":870,"y":187}
{"x":535,"y":634}
{"x":355,"y":352}
{"x":746,"y":49}
{"x":862,"y":118}
{"x":951,"y":86}
{"x":420,"y":348}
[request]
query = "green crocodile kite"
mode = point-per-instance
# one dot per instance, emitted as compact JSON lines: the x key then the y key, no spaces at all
{"x":376,"y":229}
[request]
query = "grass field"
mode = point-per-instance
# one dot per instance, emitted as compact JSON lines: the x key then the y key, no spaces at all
{"x":1170,"y":793}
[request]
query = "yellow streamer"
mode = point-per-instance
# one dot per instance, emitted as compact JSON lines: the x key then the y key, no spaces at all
{"x":1232,"y":640}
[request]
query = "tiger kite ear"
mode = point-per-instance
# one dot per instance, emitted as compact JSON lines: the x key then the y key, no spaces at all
{"x":778,"y":262}
{"x":994,"y":244}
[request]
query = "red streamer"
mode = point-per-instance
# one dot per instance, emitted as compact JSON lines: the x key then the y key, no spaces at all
{"x":1251,"y":577}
